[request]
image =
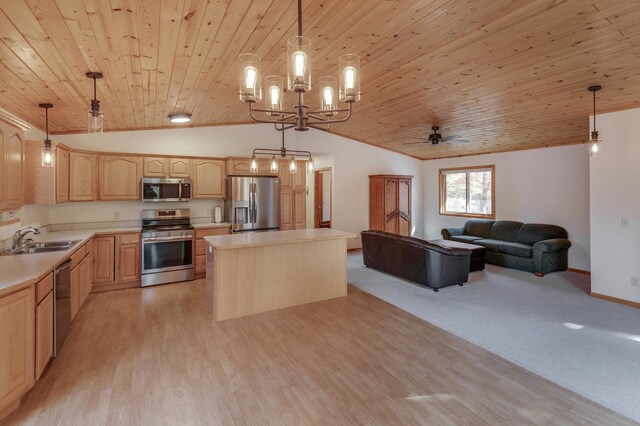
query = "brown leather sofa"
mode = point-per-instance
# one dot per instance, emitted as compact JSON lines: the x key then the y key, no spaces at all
{"x":415,"y":260}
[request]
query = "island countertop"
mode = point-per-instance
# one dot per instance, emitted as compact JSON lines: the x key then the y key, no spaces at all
{"x":256,"y":239}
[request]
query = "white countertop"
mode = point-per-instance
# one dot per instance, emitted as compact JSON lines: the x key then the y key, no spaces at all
{"x":211,"y":225}
{"x":23,"y":269}
{"x":253,"y":239}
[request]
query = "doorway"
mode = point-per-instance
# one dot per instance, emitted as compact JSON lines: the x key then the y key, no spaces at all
{"x":322,"y":204}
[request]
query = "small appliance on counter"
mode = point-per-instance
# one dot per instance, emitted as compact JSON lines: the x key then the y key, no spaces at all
{"x":168,"y":246}
{"x":253,"y":203}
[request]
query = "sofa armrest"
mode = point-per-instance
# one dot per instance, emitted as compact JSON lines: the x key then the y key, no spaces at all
{"x":448,"y":232}
{"x":552,"y":245}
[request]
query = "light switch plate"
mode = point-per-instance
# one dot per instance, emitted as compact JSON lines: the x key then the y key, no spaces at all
{"x":624,"y":222}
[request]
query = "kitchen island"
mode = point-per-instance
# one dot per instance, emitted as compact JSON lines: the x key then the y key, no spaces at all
{"x":262,"y":271}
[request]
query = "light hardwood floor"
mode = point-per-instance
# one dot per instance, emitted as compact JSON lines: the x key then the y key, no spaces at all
{"x":153,"y":356}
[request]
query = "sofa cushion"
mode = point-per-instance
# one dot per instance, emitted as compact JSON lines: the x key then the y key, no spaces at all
{"x":516,"y":249}
{"x":492,"y":245}
{"x":465,"y":238}
{"x":505,"y":230}
{"x":478,"y":227}
{"x":531,"y":233}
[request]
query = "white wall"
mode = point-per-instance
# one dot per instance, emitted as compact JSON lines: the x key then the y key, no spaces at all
{"x":615,"y":249}
{"x":352,"y":162}
{"x":549,"y":185}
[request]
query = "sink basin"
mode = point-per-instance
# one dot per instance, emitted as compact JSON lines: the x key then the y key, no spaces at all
{"x":45,"y":247}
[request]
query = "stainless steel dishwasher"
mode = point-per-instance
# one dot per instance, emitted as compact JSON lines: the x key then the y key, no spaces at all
{"x":62,"y":305}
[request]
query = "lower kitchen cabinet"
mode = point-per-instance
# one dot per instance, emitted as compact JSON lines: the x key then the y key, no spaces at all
{"x":201,"y":247}
{"x":81,"y":278}
{"x":17,"y":352}
{"x":116,"y":260}
{"x":44,"y":333}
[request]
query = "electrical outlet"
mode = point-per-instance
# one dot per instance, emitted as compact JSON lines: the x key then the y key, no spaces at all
{"x":624,"y":222}
{"x":635,"y":282}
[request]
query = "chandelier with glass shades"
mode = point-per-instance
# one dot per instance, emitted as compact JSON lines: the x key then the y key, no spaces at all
{"x":283,"y":153}
{"x":345,"y":88}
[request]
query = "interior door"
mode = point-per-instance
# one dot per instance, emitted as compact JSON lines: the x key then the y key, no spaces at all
{"x":391,"y":206}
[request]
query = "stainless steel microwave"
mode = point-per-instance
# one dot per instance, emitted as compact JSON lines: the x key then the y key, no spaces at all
{"x":156,"y":190}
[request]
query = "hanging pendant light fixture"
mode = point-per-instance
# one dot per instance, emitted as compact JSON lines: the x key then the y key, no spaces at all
{"x":47,"y":154}
{"x":594,"y":134}
{"x":283,"y":153}
{"x":345,"y":88}
{"x":95,"y":117}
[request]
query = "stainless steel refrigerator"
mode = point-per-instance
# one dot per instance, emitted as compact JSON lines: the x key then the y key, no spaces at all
{"x":253,"y":203}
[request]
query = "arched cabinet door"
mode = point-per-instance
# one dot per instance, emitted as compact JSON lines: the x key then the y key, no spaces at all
{"x":208,"y":179}
{"x":82,"y":176}
{"x":119,"y":177}
{"x":179,"y":167}
{"x":13,"y":171}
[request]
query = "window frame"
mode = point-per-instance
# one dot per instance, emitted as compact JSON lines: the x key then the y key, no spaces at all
{"x":443,"y":193}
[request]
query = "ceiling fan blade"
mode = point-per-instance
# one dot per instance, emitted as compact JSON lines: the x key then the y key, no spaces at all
{"x":459,"y":140}
{"x":414,"y":143}
{"x":451,"y":137}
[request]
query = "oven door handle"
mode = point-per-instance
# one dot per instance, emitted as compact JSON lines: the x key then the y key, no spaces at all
{"x":161,"y":239}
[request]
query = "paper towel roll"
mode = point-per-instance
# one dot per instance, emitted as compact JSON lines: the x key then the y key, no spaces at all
{"x":217,"y":217}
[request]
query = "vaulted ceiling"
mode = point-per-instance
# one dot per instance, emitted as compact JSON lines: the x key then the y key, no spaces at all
{"x":504,"y":75}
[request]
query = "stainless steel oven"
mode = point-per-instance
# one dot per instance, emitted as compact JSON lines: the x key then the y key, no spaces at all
{"x":165,"y":189}
{"x":168,"y":247}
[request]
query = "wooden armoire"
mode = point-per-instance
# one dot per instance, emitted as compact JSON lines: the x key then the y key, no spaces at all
{"x":390,"y":203}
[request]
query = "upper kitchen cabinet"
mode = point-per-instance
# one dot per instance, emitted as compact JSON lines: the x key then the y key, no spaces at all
{"x":82,"y":176}
{"x":155,"y":167}
{"x":12,"y":153}
{"x":208,"y":178}
{"x":62,"y":175}
{"x":179,"y":167}
{"x":167,"y":167}
{"x":242,"y":166}
{"x":119,"y":177}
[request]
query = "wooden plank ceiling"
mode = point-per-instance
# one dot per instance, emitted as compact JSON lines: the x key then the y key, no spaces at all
{"x":503,"y":74}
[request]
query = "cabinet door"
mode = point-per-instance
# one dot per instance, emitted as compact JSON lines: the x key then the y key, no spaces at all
{"x":286,"y":177}
{"x":404,"y":207}
{"x":104,"y":256}
{"x":300,"y":177}
{"x":119,"y":177}
{"x":391,"y":205}
{"x":62,"y":175}
{"x":239,"y":166}
{"x":75,"y":291}
{"x":180,"y":167}
{"x":208,"y":179}
{"x":44,"y":333}
{"x":17,"y":352}
{"x":13,"y":168}
{"x":88,"y":276}
{"x":155,"y":167}
{"x":286,"y":209}
{"x":128,"y":257}
{"x":82,"y":177}
{"x":299,"y":208}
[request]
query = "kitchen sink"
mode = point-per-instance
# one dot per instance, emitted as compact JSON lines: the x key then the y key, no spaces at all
{"x":45,"y":247}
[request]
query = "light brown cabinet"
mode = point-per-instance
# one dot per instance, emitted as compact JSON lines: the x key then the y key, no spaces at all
{"x":104,"y":259}
{"x":62,"y":175}
{"x":208,"y":178}
{"x":128,"y":257}
{"x":11,"y":164}
{"x":119,"y":177}
{"x":82,"y":176}
{"x":242,"y":166}
{"x":390,"y":203}
{"x":17,"y":352}
{"x":201,"y":246}
{"x":116,"y":260}
{"x":166,"y":167}
{"x":293,"y":196}
{"x":44,"y":334}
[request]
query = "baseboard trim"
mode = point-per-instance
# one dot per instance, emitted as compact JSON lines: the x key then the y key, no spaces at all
{"x":99,"y":288}
{"x":615,"y":299}
{"x":579,"y":271}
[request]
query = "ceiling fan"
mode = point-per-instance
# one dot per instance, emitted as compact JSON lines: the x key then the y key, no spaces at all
{"x":435,"y":138}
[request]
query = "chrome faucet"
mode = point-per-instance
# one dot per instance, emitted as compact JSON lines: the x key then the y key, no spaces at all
{"x":18,"y":237}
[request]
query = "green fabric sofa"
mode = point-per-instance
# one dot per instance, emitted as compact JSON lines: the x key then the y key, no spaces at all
{"x":529,"y":247}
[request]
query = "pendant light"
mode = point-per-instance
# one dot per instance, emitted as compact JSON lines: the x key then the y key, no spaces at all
{"x":594,"y":134}
{"x":274,"y":164}
{"x":95,"y":117}
{"x":47,"y":154}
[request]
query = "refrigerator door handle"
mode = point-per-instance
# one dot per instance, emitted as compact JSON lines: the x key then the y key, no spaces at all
{"x":253,"y":203}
